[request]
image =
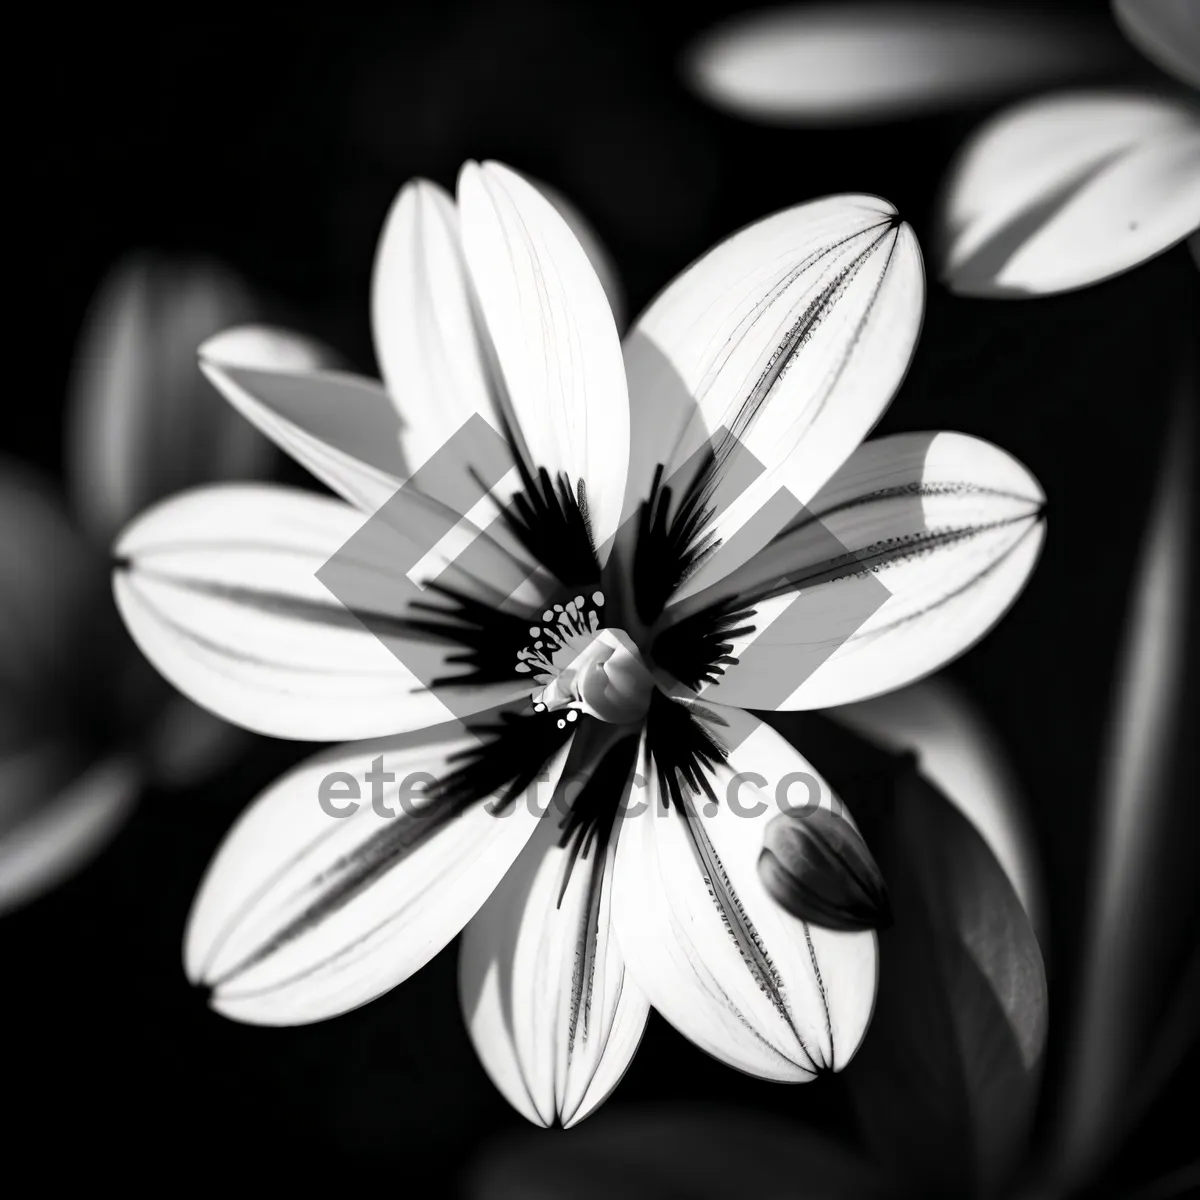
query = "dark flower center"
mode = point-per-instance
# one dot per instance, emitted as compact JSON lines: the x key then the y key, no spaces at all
{"x":595,"y":657}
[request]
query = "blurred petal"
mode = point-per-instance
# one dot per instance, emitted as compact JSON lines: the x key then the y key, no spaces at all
{"x":303,"y":915}
{"x":554,"y":337}
{"x":1165,"y":31}
{"x":342,"y":428}
{"x":49,"y":579}
{"x":1065,"y":191}
{"x":1172,"y":1042}
{"x":65,"y":817}
{"x":188,"y":744}
{"x":946,"y":1084}
{"x":424,"y":327}
{"x":143,"y":421}
{"x":824,"y":64}
{"x":782,"y":347}
{"x":219,"y":588}
{"x":747,"y":982}
{"x":959,"y":753}
{"x":553,"y":1013}
{"x":1143,"y":873}
{"x":909,"y":555}
{"x":647,"y":1153}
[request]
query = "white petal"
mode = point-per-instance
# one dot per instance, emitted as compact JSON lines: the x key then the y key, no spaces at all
{"x":913,"y":550}
{"x":425,"y":333}
{"x":959,"y":752}
{"x":826,"y":64}
{"x":304,"y":914}
{"x":746,"y":981}
{"x":791,"y":336}
{"x":598,"y":254}
{"x":65,"y":822}
{"x":1166,"y":31}
{"x":143,"y":420}
{"x":1063,"y":192}
{"x":553,"y":335}
{"x":220,"y":589}
{"x":342,"y":428}
{"x":553,"y":1013}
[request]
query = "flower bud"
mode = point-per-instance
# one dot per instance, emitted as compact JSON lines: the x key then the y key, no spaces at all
{"x":817,"y":867}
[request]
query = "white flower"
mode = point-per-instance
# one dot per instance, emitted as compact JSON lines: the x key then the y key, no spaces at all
{"x":1066,"y":190}
{"x":1053,"y":194}
{"x":700,"y":506}
{"x":83,"y":723}
{"x":817,"y":65}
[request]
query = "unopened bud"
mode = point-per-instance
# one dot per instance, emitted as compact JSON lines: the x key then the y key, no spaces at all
{"x":817,"y":867}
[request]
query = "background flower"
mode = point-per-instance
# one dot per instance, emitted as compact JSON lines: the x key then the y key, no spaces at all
{"x":243,"y":135}
{"x":1054,"y":194}
{"x":85,"y":726}
{"x":828,"y":64}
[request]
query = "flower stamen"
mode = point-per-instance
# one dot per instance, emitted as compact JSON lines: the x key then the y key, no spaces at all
{"x":582,"y":667}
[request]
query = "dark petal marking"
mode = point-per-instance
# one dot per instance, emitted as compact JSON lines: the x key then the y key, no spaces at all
{"x":490,"y":638}
{"x":802,"y":329}
{"x":331,"y":613}
{"x":515,"y":754}
{"x":812,"y":956}
{"x":671,"y":547}
{"x":340,"y":883}
{"x":504,"y":766}
{"x":583,"y":975}
{"x":994,"y":566}
{"x":696,"y":649}
{"x":878,"y":555}
{"x":739,"y":926}
{"x":681,"y":749}
{"x":587,"y":826}
{"x":551,"y":521}
{"x":918,"y":488}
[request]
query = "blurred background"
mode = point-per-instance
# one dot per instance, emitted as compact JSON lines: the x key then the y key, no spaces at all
{"x":274,"y":144}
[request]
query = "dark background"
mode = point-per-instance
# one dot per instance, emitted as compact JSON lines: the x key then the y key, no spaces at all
{"x":276,"y":143}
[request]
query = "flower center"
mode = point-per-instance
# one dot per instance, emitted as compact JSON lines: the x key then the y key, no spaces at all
{"x":580,"y":666}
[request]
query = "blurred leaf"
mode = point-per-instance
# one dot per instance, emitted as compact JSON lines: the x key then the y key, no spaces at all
{"x":693,"y":1152}
{"x":59,"y":804}
{"x":959,"y":753}
{"x":1068,"y":190}
{"x":947,"y":1078}
{"x":187,"y":744}
{"x":821,"y":64}
{"x":65,"y":822}
{"x":1166,"y":31}
{"x":1143,"y":893}
{"x":50,"y":580}
{"x":143,"y":420}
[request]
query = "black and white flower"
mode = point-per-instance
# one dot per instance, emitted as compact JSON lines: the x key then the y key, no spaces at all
{"x":672,"y":532}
